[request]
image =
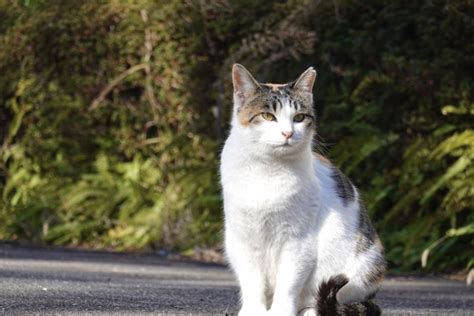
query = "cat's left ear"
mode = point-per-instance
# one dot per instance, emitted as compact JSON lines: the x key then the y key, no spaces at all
{"x":305,"y":82}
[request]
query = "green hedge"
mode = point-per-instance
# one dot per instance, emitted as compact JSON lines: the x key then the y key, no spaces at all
{"x":113,"y":114}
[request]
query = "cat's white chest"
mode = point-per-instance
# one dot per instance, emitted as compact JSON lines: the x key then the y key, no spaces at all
{"x":261,"y":200}
{"x":249,"y":188}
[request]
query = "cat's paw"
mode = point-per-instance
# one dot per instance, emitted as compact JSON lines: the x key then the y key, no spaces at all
{"x":280,"y":312}
{"x":255,"y":311}
{"x":308,"y":312}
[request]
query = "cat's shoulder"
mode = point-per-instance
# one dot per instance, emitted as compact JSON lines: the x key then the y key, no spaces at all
{"x":323,"y":160}
{"x":329,"y":175}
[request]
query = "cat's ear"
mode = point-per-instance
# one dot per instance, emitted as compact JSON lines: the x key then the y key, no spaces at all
{"x":305,"y":82}
{"x":244,"y":84}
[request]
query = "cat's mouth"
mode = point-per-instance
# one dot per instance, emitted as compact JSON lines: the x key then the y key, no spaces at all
{"x":288,"y":143}
{"x":282,"y":144}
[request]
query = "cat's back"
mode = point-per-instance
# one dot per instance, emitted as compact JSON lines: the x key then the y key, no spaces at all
{"x":346,"y":231}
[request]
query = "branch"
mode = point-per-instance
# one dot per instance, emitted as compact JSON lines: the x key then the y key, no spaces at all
{"x":95,"y":103}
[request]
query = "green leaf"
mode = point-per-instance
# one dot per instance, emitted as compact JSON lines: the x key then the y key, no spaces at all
{"x":456,"y":168}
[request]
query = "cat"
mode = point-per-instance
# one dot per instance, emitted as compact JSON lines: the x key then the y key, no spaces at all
{"x":293,"y":222}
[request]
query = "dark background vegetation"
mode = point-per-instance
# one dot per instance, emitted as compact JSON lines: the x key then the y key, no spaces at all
{"x":112,"y":114}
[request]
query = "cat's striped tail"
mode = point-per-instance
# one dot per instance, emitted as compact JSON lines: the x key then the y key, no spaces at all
{"x":328,"y":304}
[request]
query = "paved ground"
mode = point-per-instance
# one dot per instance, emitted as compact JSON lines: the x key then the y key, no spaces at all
{"x":69,"y":281}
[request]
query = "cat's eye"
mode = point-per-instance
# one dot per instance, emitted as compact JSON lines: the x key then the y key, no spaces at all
{"x":268,"y":116}
{"x":299,"y":118}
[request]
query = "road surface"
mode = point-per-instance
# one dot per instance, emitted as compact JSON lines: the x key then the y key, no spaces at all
{"x":52,"y":280}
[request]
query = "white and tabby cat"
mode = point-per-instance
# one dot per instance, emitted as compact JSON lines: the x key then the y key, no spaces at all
{"x":294,"y":224}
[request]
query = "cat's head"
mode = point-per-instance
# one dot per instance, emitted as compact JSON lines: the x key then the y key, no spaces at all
{"x":274,"y":118}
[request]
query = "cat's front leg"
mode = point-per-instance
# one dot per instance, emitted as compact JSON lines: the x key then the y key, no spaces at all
{"x":248,"y":268}
{"x":252,"y":292}
{"x":296,"y":263}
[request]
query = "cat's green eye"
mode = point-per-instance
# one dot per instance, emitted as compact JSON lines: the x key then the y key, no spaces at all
{"x":268,"y":116}
{"x":299,"y":118}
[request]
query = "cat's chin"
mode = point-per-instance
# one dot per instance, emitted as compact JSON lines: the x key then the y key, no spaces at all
{"x":285,"y":149}
{"x":284,"y":145}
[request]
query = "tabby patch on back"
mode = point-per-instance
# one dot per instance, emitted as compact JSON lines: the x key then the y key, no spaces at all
{"x":294,"y":224}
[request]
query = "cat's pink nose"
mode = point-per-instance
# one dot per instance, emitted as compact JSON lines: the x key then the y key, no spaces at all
{"x":287,"y":134}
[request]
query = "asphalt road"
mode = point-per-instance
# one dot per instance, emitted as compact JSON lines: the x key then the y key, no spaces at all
{"x":43,"y":280}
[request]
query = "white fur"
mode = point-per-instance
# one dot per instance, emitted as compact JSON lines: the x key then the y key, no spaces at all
{"x":286,"y":229}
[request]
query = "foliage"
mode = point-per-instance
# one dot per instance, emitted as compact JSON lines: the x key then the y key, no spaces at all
{"x":128,"y":168}
{"x":113,"y":115}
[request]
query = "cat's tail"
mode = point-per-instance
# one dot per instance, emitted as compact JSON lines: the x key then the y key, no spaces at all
{"x":328,"y":304}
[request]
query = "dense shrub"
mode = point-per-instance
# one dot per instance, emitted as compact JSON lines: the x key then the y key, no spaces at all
{"x":105,"y":144}
{"x":113,"y":112}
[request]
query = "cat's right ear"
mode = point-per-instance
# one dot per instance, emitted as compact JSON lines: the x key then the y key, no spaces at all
{"x":244,"y":84}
